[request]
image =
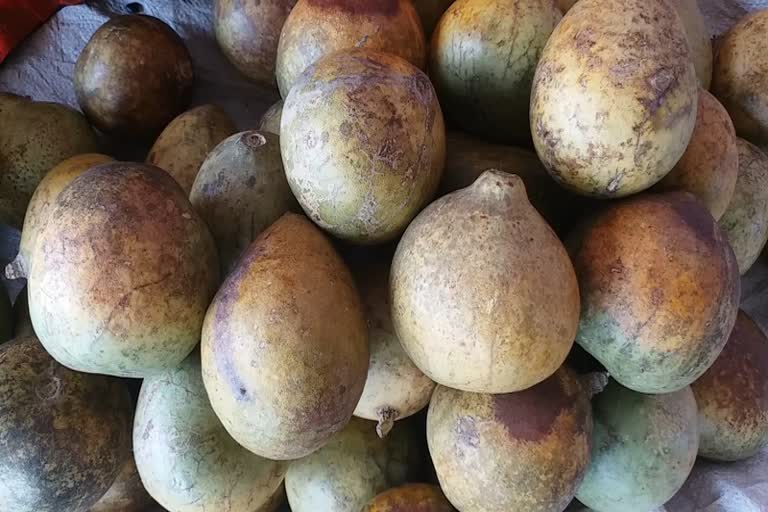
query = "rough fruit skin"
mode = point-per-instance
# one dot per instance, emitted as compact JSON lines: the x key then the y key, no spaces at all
{"x":133,"y":77}
{"x":659,"y":289}
{"x":185,"y":457}
{"x":270,"y":120}
{"x":411,"y":498}
{"x":122,"y":274}
{"x":127,"y":493}
{"x":363,"y":143}
{"x":643,"y":449}
{"x":625,"y":67}
{"x":484,"y":297}
{"x":745,"y":221}
{"x":733,"y":396}
{"x":517,"y":451}
{"x":482,"y":60}
{"x":740,"y":76}
{"x":698,"y":37}
{"x":710,"y":164}
{"x":248,"y":33}
{"x":317,"y":28}
{"x":284,"y":344}
{"x":352,"y":468}
{"x":183,"y":145}
{"x":63,"y":435}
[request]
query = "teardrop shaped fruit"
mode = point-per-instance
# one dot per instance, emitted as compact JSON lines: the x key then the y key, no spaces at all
{"x":284,"y":344}
{"x":185,"y":457}
{"x":270,"y":120}
{"x":484,"y":297}
{"x":241,"y":190}
{"x":363,"y":143}
{"x":631,"y":88}
{"x":183,"y":145}
{"x":121,"y":276}
{"x":411,"y":497}
{"x":527,"y":450}
{"x":745,"y":221}
{"x":659,"y":290}
{"x":395,"y":388}
{"x":643,"y":449}
{"x":733,"y":396}
{"x":64,"y":434}
{"x":352,"y":468}
{"x":317,"y":28}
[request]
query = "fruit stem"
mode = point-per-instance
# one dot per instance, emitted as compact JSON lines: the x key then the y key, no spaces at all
{"x":17,"y":269}
{"x":594,"y":382}
{"x":387,"y":417}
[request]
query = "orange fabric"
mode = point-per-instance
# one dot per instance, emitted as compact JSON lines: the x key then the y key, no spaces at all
{"x":18,"y":18}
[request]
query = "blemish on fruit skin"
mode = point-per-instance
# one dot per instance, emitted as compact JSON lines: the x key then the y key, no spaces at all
{"x":361,"y":7}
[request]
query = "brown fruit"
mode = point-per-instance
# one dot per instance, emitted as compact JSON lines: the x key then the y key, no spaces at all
{"x":709,"y":166}
{"x":127,"y":493}
{"x":284,"y":346}
{"x":316,"y":28}
{"x":733,"y":396}
{"x":411,"y":498}
{"x":484,"y":297}
{"x":134,"y":76}
{"x":659,"y":289}
{"x":517,"y":451}
{"x":248,"y":32}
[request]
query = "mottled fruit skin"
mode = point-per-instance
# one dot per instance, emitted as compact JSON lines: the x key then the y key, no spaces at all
{"x":317,"y":28}
{"x":565,"y":5}
{"x":63,"y":435}
{"x":643,"y":448}
{"x":733,"y":396}
{"x":133,"y":77}
{"x":185,"y":457}
{"x":698,"y":37}
{"x":241,"y":190}
{"x":127,"y":493}
{"x":430,"y":12}
{"x":745,"y":221}
{"x":270,"y":120}
{"x":395,"y":388}
{"x":626,"y":71}
{"x":183,"y":145}
{"x":659,"y":290}
{"x":346,"y":473}
{"x":248,"y":32}
{"x":34,"y":138}
{"x":484,"y":297}
{"x":411,"y":498}
{"x":363,"y":143}
{"x":710,"y":164}
{"x":284,"y":344}
{"x":482,"y":60}
{"x":740,"y":76}
{"x":517,"y":451}
{"x":122,"y":274}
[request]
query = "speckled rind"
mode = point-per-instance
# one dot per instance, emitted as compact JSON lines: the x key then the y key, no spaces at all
{"x":241,"y":190}
{"x":484,"y":297}
{"x":733,"y":396}
{"x":745,"y":221}
{"x":411,"y":498}
{"x":710,"y":164}
{"x":643,"y":448}
{"x":518,"y":451}
{"x":352,"y":468}
{"x":185,"y":457}
{"x":127,"y":493}
{"x":613,"y":103}
{"x":482,"y":60}
{"x":63,"y":434}
{"x":248,"y":32}
{"x":363,"y":143}
{"x":317,"y":28}
{"x":284,"y":344}
{"x":659,"y":289}
{"x":740,"y":76}
{"x":122,"y":274}
{"x":183,"y":145}
{"x":133,"y":77}
{"x":270,"y":120}
{"x":698,"y":37}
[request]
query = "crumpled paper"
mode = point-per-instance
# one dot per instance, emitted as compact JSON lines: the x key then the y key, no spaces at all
{"x":42,"y":67}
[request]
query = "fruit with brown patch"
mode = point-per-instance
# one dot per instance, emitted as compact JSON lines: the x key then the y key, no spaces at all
{"x":122,"y":273}
{"x":411,"y":498}
{"x":270,"y":120}
{"x":317,"y":28}
{"x":127,"y":493}
{"x":133,"y":77}
{"x":284,"y":344}
{"x":363,"y":143}
{"x":527,"y":450}
{"x":631,"y":88}
{"x":484,"y":297}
